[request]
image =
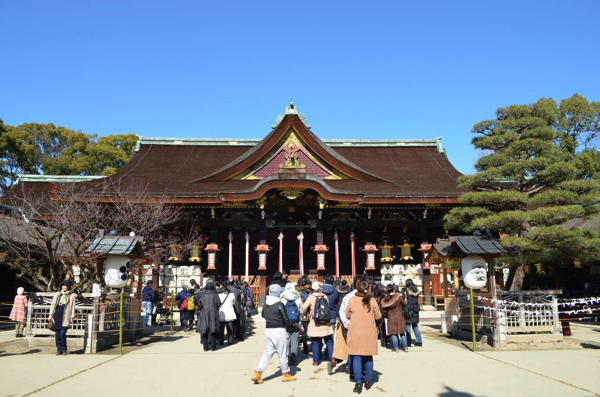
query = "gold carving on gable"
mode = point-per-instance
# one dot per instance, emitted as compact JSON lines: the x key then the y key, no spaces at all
{"x":290,"y":153}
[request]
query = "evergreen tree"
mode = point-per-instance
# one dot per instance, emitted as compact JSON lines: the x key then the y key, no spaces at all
{"x":526,"y":187}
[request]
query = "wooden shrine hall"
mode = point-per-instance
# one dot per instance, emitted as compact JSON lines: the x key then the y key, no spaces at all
{"x":299,"y":203}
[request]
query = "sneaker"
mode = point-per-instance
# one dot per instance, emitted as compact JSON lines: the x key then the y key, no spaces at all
{"x":330,"y":366}
{"x":58,"y":353}
{"x":65,"y":353}
{"x":419,"y":344}
{"x":358,"y":388}
{"x":315,"y":364}
{"x":368,"y":385}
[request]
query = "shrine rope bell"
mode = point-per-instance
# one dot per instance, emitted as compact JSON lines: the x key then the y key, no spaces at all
{"x":370,"y":250}
{"x":320,"y":250}
{"x":386,"y":251}
{"x":212,"y":250}
{"x":262,"y":250}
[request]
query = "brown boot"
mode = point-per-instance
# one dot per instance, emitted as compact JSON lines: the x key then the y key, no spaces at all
{"x":287,"y":377}
{"x":256,"y":378}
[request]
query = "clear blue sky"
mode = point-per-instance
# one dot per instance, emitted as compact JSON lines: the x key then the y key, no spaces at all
{"x":356,"y":69}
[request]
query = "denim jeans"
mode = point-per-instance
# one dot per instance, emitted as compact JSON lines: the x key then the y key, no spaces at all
{"x":60,"y":335}
{"x":317,"y":344}
{"x":147,"y":308}
{"x":360,"y":363}
{"x":415,"y":327}
{"x":395,"y":341}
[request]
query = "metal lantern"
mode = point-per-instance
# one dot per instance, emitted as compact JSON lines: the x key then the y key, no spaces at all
{"x":370,"y":249}
{"x":262,"y":250}
{"x":196,"y":253}
{"x":320,"y":250}
{"x":212,"y":250}
{"x":405,"y":248}
{"x":386,"y":251}
{"x":175,"y":252}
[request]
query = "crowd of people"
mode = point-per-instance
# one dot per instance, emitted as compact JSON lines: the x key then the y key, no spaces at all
{"x":342,"y":323}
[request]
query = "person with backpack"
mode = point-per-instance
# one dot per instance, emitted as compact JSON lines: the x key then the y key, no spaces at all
{"x":319,"y":327}
{"x":276,"y":320}
{"x":411,"y":294}
{"x":185,"y":312}
{"x":304,"y":288}
{"x":293,"y":303}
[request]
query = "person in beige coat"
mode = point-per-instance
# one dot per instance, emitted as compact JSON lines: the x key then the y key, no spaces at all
{"x":62,"y":312}
{"x":363,"y":312}
{"x":318,"y":331}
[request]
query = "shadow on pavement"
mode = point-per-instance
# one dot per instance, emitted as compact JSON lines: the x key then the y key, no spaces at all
{"x":454,"y":393}
{"x":590,"y":346}
{"x":33,"y":351}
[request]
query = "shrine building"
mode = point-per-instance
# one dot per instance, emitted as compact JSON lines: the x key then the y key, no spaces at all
{"x":294,"y":202}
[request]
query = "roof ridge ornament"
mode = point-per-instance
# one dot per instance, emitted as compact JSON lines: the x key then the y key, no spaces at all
{"x":291,"y":109}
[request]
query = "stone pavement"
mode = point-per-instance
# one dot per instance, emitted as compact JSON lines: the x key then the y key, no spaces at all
{"x":177,"y":366}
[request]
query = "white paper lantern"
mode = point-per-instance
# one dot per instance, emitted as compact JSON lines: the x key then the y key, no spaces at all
{"x":474,"y":270}
{"x":116,"y":271}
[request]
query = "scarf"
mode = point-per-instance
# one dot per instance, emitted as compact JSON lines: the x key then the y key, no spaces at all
{"x":64,"y":297}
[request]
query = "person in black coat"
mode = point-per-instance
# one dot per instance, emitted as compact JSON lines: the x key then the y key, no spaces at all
{"x":411,"y":294}
{"x":207,"y":304}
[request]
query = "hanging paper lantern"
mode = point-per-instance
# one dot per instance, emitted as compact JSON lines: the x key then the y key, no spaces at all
{"x":116,"y":271}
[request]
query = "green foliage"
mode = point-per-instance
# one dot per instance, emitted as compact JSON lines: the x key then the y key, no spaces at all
{"x":578,"y":124}
{"x":531,"y":181}
{"x":47,"y":149}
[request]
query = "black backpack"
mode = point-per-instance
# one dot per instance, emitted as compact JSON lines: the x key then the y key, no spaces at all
{"x":321,"y":312}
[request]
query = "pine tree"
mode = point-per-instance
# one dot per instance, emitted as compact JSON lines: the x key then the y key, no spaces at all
{"x":526,"y":187}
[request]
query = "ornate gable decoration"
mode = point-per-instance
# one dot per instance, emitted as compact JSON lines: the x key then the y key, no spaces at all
{"x":290,"y":155}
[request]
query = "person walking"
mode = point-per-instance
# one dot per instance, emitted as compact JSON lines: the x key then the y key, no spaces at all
{"x":148,"y":296}
{"x":363,"y":312}
{"x":226,"y":313}
{"x":412,"y":301}
{"x":207,"y":306}
{"x":293,"y":304}
{"x":62,"y":312}
{"x":19,"y":312}
{"x":276,"y":341}
{"x":318,"y":331}
{"x":392,"y":306}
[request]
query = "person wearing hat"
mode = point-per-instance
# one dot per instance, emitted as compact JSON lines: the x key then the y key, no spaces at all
{"x":318,"y":331}
{"x":19,"y":311}
{"x":275,"y":336}
{"x":62,"y":312}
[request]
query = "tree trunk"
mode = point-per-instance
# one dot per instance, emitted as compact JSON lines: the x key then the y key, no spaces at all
{"x":518,"y":277}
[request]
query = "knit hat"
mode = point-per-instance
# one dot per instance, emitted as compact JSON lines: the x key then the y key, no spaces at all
{"x":317,"y":286}
{"x":20,"y":290}
{"x":290,"y":287}
{"x":68,"y":283}
{"x":274,"y":290}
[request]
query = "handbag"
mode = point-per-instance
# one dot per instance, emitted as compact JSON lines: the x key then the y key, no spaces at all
{"x":51,"y":324}
{"x":407,"y":312}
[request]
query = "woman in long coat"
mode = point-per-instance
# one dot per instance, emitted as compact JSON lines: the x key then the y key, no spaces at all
{"x":363,"y":312}
{"x":19,"y":312}
{"x":412,"y":300}
{"x":62,"y":312}
{"x":318,"y":331}
{"x":392,"y":306}
{"x":207,"y":304}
